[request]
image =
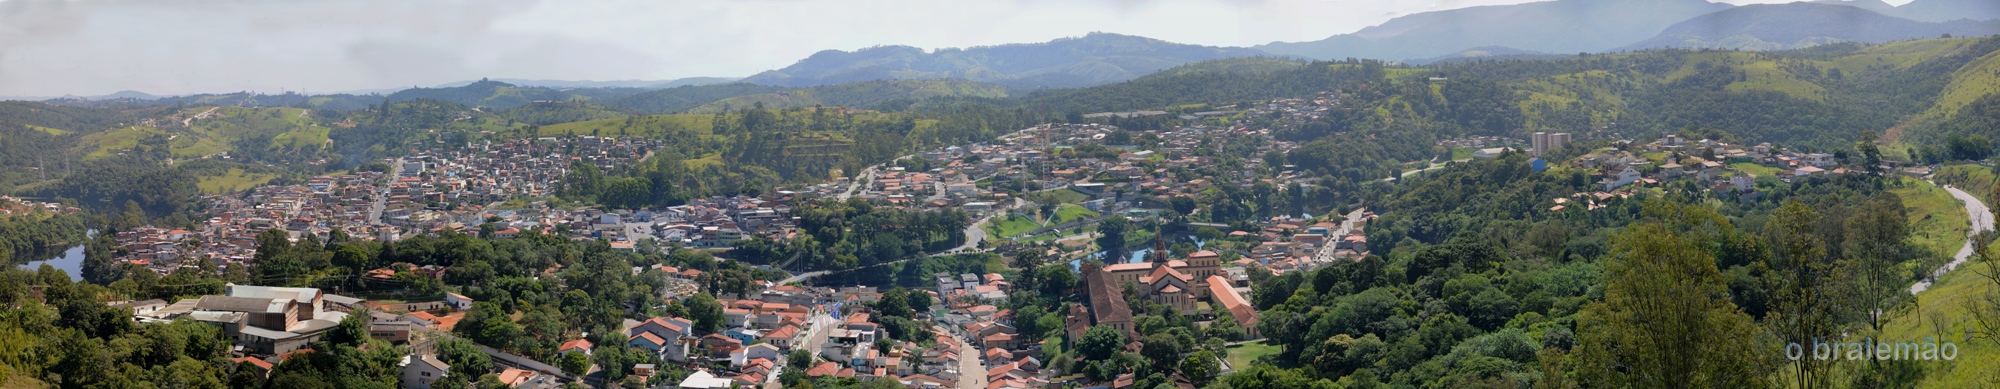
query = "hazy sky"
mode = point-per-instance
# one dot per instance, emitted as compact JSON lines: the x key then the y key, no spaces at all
{"x":92,"y":47}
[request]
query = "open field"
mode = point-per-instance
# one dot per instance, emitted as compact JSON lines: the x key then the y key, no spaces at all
{"x":234,"y":180}
{"x":1753,"y":168}
{"x":1073,"y":212}
{"x":1240,"y":355}
{"x":1010,"y":226}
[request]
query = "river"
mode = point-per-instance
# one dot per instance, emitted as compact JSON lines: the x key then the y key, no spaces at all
{"x":70,"y":262}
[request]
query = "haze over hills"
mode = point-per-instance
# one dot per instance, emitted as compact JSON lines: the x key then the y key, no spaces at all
{"x":1093,"y":59}
{"x":1947,"y":10}
{"x":650,"y":84}
{"x":1562,"y":26}
{"x":1796,"y":25}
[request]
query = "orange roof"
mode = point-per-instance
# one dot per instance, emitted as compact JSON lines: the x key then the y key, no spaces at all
{"x":786,"y":332}
{"x":254,"y":361}
{"x":513,"y":376}
{"x":579,"y":344}
{"x":823,"y":369}
{"x":648,"y":336}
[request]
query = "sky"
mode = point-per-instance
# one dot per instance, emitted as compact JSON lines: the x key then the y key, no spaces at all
{"x":94,"y":47}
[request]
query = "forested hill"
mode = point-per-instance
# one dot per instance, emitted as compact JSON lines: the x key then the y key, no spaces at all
{"x":1798,"y":25}
{"x":1093,"y":59}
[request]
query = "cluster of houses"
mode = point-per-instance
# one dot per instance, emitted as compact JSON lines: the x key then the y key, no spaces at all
{"x":436,"y":188}
{"x":9,"y":205}
{"x":318,"y":207}
{"x":270,"y":324}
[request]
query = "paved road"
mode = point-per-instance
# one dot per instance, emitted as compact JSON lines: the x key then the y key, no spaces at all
{"x":1982,"y":220}
{"x":1325,"y":254}
{"x":971,"y":366}
{"x":382,"y":198}
{"x":1434,"y":166}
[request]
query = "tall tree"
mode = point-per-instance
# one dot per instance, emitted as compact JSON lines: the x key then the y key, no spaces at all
{"x":1666,"y":320}
{"x":1877,"y":232}
{"x":1804,"y":286}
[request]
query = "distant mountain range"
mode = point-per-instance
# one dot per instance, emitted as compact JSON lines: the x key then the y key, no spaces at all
{"x":1093,"y":59}
{"x":1562,"y":26}
{"x":1797,"y":25}
{"x":648,"y":84}
{"x":1535,"y":30}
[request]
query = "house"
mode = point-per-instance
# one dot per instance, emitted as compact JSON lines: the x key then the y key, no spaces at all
{"x":1489,"y":153}
{"x":421,"y":370}
{"x":514,"y":377}
{"x":1625,"y":176}
{"x":579,"y":345}
{"x":1820,"y":160}
{"x":784,"y":337}
{"x":702,"y":379}
{"x":754,"y":352}
{"x":458,"y":301}
{"x":649,"y":342}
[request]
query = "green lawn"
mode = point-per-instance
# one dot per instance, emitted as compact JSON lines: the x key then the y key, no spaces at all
{"x":1070,"y":212}
{"x":1462,"y":153}
{"x":1067,"y":196}
{"x":1011,"y":225}
{"x":1753,"y":168}
{"x":235,"y":180}
{"x":1240,"y":355}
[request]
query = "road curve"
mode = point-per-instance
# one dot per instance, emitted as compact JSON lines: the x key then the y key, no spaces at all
{"x":1982,"y":220}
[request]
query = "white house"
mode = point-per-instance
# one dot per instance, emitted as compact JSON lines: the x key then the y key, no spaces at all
{"x":701,"y":379}
{"x":420,"y":371}
{"x":458,"y":301}
{"x":1627,"y":176}
{"x":760,"y":350}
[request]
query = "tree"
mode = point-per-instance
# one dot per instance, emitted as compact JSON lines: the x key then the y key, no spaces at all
{"x":1183,"y":205}
{"x":1877,"y":231}
{"x":1162,"y":349}
{"x":1666,"y":320}
{"x":352,"y":331}
{"x":1111,"y":238}
{"x":464,"y":358}
{"x":575,"y":363}
{"x":1100,"y":342}
{"x":1985,"y":307}
{"x":705,"y":312}
{"x":1805,"y":287}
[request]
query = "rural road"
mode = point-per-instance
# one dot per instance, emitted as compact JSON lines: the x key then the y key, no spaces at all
{"x":1982,"y":220}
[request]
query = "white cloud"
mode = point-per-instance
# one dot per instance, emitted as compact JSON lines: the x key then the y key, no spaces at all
{"x":86,"y":47}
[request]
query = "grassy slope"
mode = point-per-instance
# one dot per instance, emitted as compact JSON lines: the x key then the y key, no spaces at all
{"x":1941,"y":311}
{"x":234,"y":180}
{"x":1936,"y":219}
{"x":641,"y":125}
{"x":1979,"y":78}
{"x":285,"y":126}
{"x":1067,"y":196}
{"x":1939,"y":221}
{"x":1074,"y":212}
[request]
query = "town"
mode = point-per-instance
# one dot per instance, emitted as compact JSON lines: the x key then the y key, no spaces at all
{"x":1035,"y":193}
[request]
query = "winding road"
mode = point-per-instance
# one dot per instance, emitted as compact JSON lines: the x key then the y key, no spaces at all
{"x":1982,"y":220}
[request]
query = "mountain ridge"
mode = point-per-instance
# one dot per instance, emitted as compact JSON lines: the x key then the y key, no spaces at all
{"x":1549,"y":26}
{"x":1093,"y":59}
{"x":1799,"y":25}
